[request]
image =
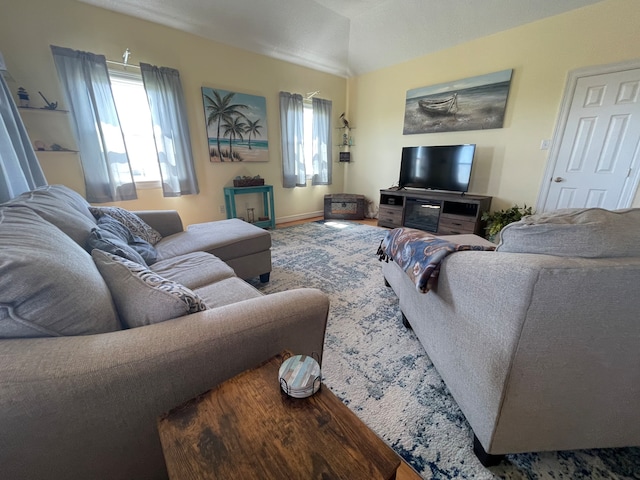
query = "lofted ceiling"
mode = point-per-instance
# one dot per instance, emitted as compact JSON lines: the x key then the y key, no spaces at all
{"x":342,"y":37}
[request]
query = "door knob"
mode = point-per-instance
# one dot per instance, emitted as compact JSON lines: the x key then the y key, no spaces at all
{"x":558,"y":179}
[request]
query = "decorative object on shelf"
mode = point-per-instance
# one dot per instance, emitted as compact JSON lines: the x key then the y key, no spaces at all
{"x":251,"y":215}
{"x":299,"y":376}
{"x":475,"y":103}
{"x":345,"y":122}
{"x":50,"y":105}
{"x":246,"y":181}
{"x":499,"y":219}
{"x":40,"y":146}
{"x":345,"y":157}
{"x":57,"y":148}
{"x":23,"y":96}
{"x":236,"y":126}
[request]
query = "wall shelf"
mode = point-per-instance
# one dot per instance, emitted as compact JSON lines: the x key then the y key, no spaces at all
{"x":34,"y":109}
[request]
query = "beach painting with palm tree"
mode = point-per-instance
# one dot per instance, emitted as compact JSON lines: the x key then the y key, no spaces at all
{"x":236,"y":126}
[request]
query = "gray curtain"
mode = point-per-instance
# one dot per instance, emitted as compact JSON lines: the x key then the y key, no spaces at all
{"x":292,"y":133}
{"x":170,"y":130}
{"x":19,"y":167}
{"x":322,"y":147}
{"x":105,"y":163}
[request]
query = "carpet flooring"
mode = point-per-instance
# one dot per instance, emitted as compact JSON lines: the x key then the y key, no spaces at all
{"x":380,"y":370}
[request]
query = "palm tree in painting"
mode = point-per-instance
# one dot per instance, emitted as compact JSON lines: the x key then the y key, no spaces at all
{"x":253,"y":128}
{"x":221,"y":109}
{"x":233,"y":128}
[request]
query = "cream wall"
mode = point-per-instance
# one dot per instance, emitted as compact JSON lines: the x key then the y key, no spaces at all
{"x":509,"y":163}
{"x":28,"y":27}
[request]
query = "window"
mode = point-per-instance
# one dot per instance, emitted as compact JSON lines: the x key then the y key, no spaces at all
{"x":135,"y":120}
{"x":306,"y":140}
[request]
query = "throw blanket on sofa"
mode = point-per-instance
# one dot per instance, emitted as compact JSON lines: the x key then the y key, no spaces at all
{"x":419,"y":254}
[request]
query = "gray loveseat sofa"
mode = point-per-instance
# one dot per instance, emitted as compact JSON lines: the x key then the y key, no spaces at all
{"x":94,"y":347}
{"x":538,"y":342}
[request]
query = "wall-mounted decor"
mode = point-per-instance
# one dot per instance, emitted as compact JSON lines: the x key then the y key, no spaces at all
{"x":476,"y":103}
{"x":236,"y":126}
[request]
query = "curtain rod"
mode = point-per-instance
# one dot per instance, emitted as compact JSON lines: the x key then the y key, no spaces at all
{"x":123,"y":64}
{"x":125,"y":57}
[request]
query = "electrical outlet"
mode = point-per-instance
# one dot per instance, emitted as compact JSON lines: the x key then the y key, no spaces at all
{"x":222,"y":209}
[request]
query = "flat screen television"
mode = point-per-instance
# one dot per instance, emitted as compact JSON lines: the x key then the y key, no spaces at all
{"x":443,"y":167}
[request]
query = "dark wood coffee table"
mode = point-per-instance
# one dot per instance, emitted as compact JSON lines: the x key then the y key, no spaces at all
{"x":247,"y":428}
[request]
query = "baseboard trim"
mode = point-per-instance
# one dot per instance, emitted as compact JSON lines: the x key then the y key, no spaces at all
{"x":302,"y":216}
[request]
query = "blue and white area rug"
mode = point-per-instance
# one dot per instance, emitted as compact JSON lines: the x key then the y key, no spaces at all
{"x":380,"y":370}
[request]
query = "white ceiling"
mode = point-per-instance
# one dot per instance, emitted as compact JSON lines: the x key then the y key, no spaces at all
{"x":343,"y":37}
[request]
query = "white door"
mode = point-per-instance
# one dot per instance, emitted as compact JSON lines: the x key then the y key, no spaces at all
{"x":597,"y":151}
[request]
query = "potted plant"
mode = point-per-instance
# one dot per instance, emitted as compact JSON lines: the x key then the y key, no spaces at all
{"x":496,"y":221}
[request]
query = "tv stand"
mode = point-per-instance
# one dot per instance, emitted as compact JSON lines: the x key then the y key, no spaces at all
{"x":441,"y":213}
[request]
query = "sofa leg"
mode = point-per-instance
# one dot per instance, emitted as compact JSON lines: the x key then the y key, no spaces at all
{"x":264,"y":278}
{"x":405,"y":322}
{"x":486,"y":459}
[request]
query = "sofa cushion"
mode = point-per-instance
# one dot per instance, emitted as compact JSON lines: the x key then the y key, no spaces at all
{"x":108,"y":242}
{"x":49,"y":286}
{"x":141,"y":246}
{"x":588,"y":233}
{"x":60,"y":206}
{"x":227,"y":291}
{"x":143,"y":297}
{"x":226,"y":239}
{"x":193,"y":269}
{"x":135,"y":224}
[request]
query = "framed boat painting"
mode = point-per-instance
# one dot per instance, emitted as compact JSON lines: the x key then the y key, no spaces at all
{"x":236,"y":126}
{"x":475,"y":103}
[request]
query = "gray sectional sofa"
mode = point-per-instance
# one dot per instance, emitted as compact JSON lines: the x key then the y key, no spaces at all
{"x":94,"y":347}
{"x":538,"y":342}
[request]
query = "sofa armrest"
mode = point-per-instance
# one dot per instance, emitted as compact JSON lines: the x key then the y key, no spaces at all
{"x":86,"y":407}
{"x":165,"y":222}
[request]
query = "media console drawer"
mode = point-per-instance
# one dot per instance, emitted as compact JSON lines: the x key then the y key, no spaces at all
{"x":456,"y":224}
{"x":390,"y":216}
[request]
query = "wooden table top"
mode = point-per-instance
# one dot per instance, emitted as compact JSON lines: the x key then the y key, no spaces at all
{"x":248,"y":428}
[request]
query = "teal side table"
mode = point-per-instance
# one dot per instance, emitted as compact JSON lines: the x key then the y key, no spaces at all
{"x":267,"y":199}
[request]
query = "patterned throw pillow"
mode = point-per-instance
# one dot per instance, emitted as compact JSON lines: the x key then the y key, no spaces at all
{"x":134,"y":223}
{"x":141,"y":296}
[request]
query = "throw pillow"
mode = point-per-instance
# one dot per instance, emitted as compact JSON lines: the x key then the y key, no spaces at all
{"x":49,"y":286}
{"x":144,"y":248}
{"x":104,"y":240}
{"x":141,"y":296}
{"x":134,"y":223}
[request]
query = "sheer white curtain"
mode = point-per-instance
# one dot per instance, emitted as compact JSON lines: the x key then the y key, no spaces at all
{"x":321,"y":134}
{"x":105,"y":163}
{"x":170,"y":129}
{"x":19,"y":167}
{"x":292,"y":132}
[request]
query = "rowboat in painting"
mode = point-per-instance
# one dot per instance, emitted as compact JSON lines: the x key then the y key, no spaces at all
{"x":441,"y":106}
